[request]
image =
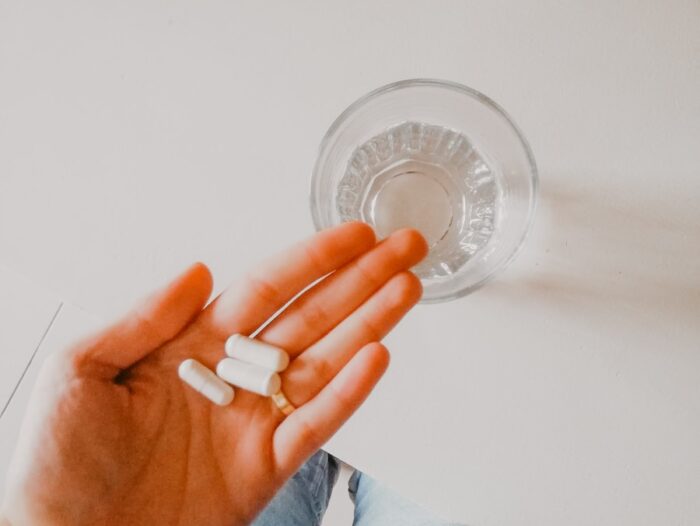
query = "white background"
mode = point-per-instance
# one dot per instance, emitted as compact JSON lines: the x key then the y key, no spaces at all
{"x":136,"y":137}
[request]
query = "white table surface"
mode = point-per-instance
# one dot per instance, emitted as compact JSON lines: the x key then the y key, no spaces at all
{"x":136,"y":137}
{"x":26,"y":311}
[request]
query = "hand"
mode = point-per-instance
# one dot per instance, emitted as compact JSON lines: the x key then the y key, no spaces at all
{"x":112,"y":436}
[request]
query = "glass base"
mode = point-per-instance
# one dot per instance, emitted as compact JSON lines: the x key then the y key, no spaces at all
{"x":425,"y":177}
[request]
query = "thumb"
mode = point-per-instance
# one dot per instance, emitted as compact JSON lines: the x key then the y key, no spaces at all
{"x":157,"y":319}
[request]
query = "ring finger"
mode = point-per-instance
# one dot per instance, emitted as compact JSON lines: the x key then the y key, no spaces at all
{"x":316,"y":366}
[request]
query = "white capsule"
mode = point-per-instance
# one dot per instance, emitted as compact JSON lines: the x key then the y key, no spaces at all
{"x":257,"y":352}
{"x":249,"y":376}
{"x":205,"y":382}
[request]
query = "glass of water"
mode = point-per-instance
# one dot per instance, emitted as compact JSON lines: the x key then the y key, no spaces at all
{"x":439,"y":157}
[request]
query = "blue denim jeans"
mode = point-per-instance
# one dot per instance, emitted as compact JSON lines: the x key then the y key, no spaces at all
{"x":303,"y":500}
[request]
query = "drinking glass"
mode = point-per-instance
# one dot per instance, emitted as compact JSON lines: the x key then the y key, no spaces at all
{"x":439,"y":157}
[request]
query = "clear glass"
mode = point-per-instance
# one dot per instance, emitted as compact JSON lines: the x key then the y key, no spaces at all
{"x":439,"y":157}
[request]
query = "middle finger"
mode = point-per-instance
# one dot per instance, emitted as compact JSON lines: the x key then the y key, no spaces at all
{"x":324,"y":306}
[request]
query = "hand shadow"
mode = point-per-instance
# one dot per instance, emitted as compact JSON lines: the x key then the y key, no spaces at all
{"x":613,"y":253}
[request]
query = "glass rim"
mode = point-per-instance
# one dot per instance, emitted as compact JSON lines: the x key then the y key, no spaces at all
{"x":464,"y":90}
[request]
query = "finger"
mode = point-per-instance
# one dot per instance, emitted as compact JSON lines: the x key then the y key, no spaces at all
{"x":322,"y":307}
{"x":245,"y":306}
{"x":159,"y":318}
{"x":315,"y":367}
{"x":311,"y":425}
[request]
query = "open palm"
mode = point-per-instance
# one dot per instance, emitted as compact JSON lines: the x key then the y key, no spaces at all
{"x":112,"y":435}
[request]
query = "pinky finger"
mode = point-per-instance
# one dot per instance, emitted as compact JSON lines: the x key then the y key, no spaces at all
{"x":313,"y":424}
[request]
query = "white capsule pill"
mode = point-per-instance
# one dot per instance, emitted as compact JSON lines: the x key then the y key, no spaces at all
{"x":205,"y":382}
{"x":257,"y":352}
{"x":249,"y":376}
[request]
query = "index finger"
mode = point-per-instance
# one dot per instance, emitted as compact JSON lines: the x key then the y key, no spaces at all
{"x":247,"y":304}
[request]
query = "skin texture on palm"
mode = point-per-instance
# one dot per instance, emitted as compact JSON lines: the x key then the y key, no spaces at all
{"x":113,"y":436}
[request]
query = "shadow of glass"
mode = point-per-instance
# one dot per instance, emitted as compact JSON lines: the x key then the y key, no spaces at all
{"x":625,"y":255}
